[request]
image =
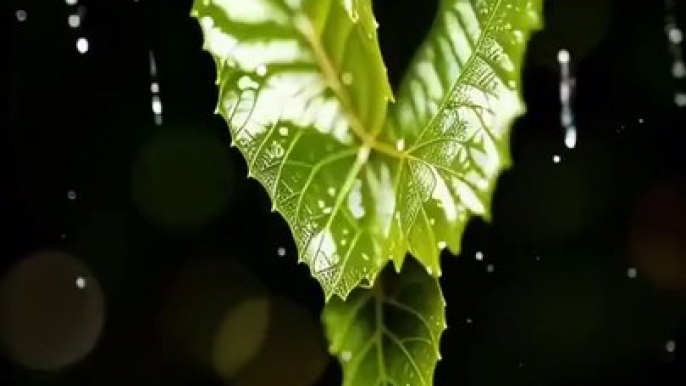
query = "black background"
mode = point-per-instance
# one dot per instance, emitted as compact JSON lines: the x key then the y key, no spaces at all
{"x":558,"y":308}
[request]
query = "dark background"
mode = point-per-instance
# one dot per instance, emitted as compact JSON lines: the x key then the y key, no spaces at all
{"x":131,"y":206}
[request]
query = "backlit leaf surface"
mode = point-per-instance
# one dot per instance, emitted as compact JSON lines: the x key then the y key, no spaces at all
{"x":362,"y":180}
{"x":388,"y":335}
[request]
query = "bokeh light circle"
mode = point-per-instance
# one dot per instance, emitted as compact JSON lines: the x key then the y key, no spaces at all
{"x":182,"y":180}
{"x":51,"y":311}
{"x":215,"y":316}
{"x":295,"y":352}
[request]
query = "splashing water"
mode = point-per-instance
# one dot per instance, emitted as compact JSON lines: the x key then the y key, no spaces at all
{"x":675,"y":37}
{"x":567,"y":84}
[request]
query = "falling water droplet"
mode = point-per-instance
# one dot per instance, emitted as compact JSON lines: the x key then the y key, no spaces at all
{"x":557,"y":159}
{"x":156,"y":105}
{"x":632,"y":272}
{"x":74,"y":21}
{"x":680,"y":99}
{"x":490,"y":268}
{"x":82,"y":45}
{"x":479,"y":256}
{"x":71,"y":195}
{"x":152,"y":64}
{"x":281,"y":251}
{"x":567,"y":84}
{"x":670,"y":346}
{"x":21,"y":15}
{"x":80,"y":282}
{"x":71,"y":2}
{"x":675,"y":37}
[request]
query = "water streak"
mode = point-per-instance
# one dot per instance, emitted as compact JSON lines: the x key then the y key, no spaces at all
{"x":675,"y":38}
{"x":567,"y":84}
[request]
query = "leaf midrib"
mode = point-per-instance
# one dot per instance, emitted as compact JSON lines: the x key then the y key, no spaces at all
{"x":369,"y":142}
{"x":306,"y":29}
{"x":304,"y":26}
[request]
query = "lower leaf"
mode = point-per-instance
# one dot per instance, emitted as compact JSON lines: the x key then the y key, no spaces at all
{"x":389,"y":334}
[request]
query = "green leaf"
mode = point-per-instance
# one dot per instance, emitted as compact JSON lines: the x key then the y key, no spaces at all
{"x":305,"y":93}
{"x":388,"y":335}
{"x":453,"y":115}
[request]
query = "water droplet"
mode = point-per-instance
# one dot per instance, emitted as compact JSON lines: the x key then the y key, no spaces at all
{"x":556,"y":159}
{"x":442,"y":244}
{"x":570,"y":137}
{"x":400,"y":144}
{"x":21,"y":15}
{"x":74,"y":21}
{"x":678,"y":69}
{"x":346,"y":356}
{"x":261,"y":70}
{"x":71,"y":194}
{"x":429,"y":270}
{"x":245,"y":83}
{"x":283,"y":131}
{"x":479,"y":256}
{"x":670,"y":346}
{"x":331,"y":191}
{"x":567,"y":83}
{"x":675,"y":38}
{"x":276,"y":150}
{"x":469,"y":320}
{"x":321,"y":204}
{"x":82,"y":45}
{"x":365,"y":256}
{"x":154,"y":87}
{"x":80,"y":283}
{"x":675,"y":35}
{"x":347,"y":78}
{"x":680,"y":99}
{"x":156,"y":105}
{"x":71,"y":2}
{"x":281,"y":251}
{"x":490,"y":268}
{"x":632,"y":272}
